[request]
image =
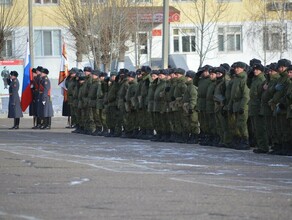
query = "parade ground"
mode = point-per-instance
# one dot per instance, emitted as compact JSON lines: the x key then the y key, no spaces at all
{"x":57,"y":175}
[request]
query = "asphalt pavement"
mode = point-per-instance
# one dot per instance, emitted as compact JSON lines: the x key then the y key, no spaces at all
{"x":54,"y":174}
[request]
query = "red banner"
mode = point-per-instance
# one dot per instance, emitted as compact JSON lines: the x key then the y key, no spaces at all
{"x":11,"y":62}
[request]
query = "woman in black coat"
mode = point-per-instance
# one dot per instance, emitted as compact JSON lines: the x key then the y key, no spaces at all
{"x":14,"y":108}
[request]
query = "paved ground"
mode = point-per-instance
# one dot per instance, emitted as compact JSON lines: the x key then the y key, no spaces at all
{"x":58,"y":175}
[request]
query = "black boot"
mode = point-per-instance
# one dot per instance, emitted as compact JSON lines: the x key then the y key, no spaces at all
{"x":13,"y":124}
{"x":17,"y":120}
{"x":243,"y":144}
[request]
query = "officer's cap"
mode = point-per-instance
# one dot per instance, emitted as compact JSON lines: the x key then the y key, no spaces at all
{"x":87,"y":69}
{"x":132,"y":74}
{"x":138,"y":72}
{"x":239,"y":64}
{"x":146,"y":69}
{"x":221,"y":69}
{"x":259,"y":66}
{"x":102,"y":74}
{"x":45,"y":71}
{"x":289,"y":68}
{"x":14,"y":73}
{"x":163,"y":71}
{"x":254,"y":61}
{"x":171,"y":70}
{"x":113,"y":73}
{"x":123,"y":71}
{"x":180,"y":71}
{"x":190,"y":74}
{"x":95,"y":72}
{"x":273,"y":66}
{"x":213,"y":70}
{"x":39,"y":68}
{"x":73,"y":70}
{"x":155,"y":72}
{"x":284,"y":62}
{"x":226,"y":66}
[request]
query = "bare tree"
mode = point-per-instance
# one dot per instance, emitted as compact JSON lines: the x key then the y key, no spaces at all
{"x":11,"y":15}
{"x":204,"y":16}
{"x":100,"y":28}
{"x":269,"y":28}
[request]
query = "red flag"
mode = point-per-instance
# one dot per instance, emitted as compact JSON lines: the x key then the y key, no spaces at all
{"x":64,"y":73}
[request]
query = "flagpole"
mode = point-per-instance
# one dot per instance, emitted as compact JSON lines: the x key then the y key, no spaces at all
{"x":165,"y":36}
{"x":30,"y":31}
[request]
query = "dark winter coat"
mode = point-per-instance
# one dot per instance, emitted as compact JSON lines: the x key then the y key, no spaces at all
{"x":14,"y":108}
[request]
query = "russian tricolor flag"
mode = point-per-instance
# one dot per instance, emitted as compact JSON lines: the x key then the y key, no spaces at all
{"x":26,"y":95}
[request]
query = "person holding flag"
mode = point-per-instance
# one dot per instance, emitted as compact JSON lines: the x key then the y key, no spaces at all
{"x":63,"y":83}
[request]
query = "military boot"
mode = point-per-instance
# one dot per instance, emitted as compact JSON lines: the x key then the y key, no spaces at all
{"x":243,"y":144}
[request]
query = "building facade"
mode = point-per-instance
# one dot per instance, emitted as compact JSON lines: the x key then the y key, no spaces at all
{"x":201,"y":32}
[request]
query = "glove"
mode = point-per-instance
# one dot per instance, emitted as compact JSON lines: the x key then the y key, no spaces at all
{"x":190,"y":111}
{"x":240,"y":111}
{"x":279,"y":87}
{"x":44,"y":102}
{"x":167,"y":89}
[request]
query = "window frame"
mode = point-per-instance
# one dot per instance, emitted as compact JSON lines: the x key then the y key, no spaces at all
{"x":178,"y":40}
{"x":44,"y":45}
{"x":269,"y":44}
{"x":5,"y":51}
{"x":224,"y":38}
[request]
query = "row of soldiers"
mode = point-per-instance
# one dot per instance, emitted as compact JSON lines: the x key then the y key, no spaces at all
{"x":238,"y":107}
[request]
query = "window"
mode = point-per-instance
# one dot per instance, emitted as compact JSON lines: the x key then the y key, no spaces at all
{"x":184,"y":40}
{"x":5,"y":2}
{"x":275,"y":38}
{"x":48,"y":42}
{"x":229,"y":39}
{"x":7,"y":46}
{"x":46,"y":2}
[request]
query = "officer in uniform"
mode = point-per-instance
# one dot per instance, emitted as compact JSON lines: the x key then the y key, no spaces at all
{"x":111,"y":103}
{"x":151,"y":91}
{"x":45,"y":107}
{"x":34,"y":92}
{"x":238,"y":105}
{"x":220,"y":102}
{"x":130,"y":115}
{"x":14,"y":108}
{"x":287,"y":147}
{"x":146,"y":130}
{"x":202,"y":81}
{"x":190,"y":115}
{"x":254,"y":106}
{"x":211,"y":138}
{"x":71,"y":84}
{"x":277,"y":104}
{"x":94,"y":124}
{"x":159,"y":107}
{"x":178,"y":94}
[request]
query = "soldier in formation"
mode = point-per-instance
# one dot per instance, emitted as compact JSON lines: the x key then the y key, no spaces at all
{"x":238,"y":106}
